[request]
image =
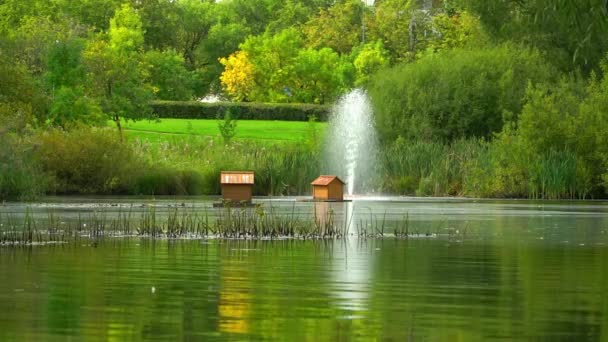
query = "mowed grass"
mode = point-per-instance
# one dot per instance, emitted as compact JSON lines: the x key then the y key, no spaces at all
{"x":266,"y":130}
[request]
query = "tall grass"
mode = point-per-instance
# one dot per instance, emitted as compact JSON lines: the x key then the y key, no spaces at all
{"x":230,"y":223}
{"x":92,"y":161}
{"x":427,"y":169}
{"x":280,"y":169}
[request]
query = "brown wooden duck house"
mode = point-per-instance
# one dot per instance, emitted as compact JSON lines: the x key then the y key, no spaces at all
{"x":328,"y":188}
{"x":237,"y":186}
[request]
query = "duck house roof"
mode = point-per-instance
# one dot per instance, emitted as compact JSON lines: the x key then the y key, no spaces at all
{"x":237,"y":177}
{"x":326,"y":180}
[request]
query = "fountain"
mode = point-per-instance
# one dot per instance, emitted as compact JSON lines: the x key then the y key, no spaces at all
{"x":351,"y":141}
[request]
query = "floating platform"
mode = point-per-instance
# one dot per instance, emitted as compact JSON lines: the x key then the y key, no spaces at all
{"x":234,"y":205}
{"x":322,"y":200}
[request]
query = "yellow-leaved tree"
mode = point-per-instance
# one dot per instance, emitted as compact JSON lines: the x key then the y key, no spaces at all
{"x":238,"y":76}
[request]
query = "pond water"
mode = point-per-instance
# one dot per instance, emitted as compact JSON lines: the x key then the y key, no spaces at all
{"x":478,"y":270}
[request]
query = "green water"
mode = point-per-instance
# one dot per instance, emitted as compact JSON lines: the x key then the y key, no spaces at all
{"x":525,"y":271}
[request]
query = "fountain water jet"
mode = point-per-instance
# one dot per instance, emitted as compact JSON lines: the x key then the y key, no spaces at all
{"x":351,"y":146}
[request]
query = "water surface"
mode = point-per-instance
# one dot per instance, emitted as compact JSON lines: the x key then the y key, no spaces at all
{"x":523,"y":270}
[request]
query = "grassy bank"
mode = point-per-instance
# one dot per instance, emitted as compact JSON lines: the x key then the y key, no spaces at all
{"x":261,"y":130}
{"x":94,"y":161}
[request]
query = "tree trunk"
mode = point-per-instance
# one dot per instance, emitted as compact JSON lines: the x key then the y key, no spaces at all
{"x":117,"y":120}
{"x":412,"y":34}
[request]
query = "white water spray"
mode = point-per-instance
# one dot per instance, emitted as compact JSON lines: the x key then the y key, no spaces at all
{"x":351,"y":146}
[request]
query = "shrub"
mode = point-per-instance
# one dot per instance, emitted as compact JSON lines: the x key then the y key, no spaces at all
{"x":227,"y":127}
{"x":87,"y":161}
{"x":454,"y":94}
{"x":241,"y":111}
{"x":20,"y":174}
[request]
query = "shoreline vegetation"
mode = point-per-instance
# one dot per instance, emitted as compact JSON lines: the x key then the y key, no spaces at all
{"x":186,"y":223}
{"x":92,"y":161}
{"x":470,"y":98}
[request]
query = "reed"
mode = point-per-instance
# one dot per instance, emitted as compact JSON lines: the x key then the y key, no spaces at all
{"x":177,"y":223}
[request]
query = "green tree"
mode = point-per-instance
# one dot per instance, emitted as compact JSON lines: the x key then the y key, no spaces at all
{"x":572,"y":32}
{"x":337,"y":27}
{"x":227,"y":127}
{"x":223,"y":40}
{"x":317,"y":77}
{"x":454,"y":94}
{"x":368,"y":59}
{"x":64,"y":64}
{"x":71,"y":105}
{"x":117,"y":71}
{"x":391,"y":23}
{"x":168,"y":75}
{"x":272,"y":58}
{"x":196,"y":18}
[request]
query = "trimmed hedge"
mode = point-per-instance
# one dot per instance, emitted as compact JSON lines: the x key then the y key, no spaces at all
{"x":241,"y":111}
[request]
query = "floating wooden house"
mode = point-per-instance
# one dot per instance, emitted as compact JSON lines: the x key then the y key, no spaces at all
{"x":237,"y":186}
{"x":328,"y":188}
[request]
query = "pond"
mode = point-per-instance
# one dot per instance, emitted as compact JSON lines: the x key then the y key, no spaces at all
{"x":474,"y":270}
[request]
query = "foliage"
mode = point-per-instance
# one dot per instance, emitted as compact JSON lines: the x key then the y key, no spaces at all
{"x":391,"y":24}
{"x":19,"y":88}
{"x":460,"y":93}
{"x":369,"y":59}
{"x":64,"y":65}
{"x":21,"y":177}
{"x":238,"y":77}
{"x":568,"y":118}
{"x":86,"y":161}
{"x":15,"y":117}
{"x":242,"y":111}
{"x":117,"y":70}
{"x":168,"y":75}
{"x":227,"y":127}
{"x":337,"y":27}
{"x":71,"y":106}
{"x":275,"y":68}
{"x":571,"y":32}
{"x":460,"y":29}
{"x":272,"y":58}
{"x":317,"y":77}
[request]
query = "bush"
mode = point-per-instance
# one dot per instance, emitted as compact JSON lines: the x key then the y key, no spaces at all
{"x":241,"y":111}
{"x":454,"y":94}
{"x":87,"y":161}
{"x":20,"y":174}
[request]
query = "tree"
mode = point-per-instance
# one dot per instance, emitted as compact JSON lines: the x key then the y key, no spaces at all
{"x":238,"y":76}
{"x":317,"y":77}
{"x":227,"y":127}
{"x":64,"y":64}
{"x":20,"y":91}
{"x":196,"y":18}
{"x":455,"y":94}
{"x":368,"y":59}
{"x":117,"y":71}
{"x":272,"y":58}
{"x":337,"y":27}
{"x":572,"y":32}
{"x":223,"y":40}
{"x":160,"y":20}
{"x":71,"y":105}
{"x":168,"y":75}
{"x":391,"y":23}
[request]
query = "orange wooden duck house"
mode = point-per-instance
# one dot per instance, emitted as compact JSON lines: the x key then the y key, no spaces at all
{"x":328,"y":188}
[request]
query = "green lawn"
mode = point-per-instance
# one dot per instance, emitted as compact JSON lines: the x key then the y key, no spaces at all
{"x":286,"y":131}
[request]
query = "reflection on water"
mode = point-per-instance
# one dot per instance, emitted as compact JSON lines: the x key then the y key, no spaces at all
{"x":523,"y":271}
{"x":351,"y":276}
